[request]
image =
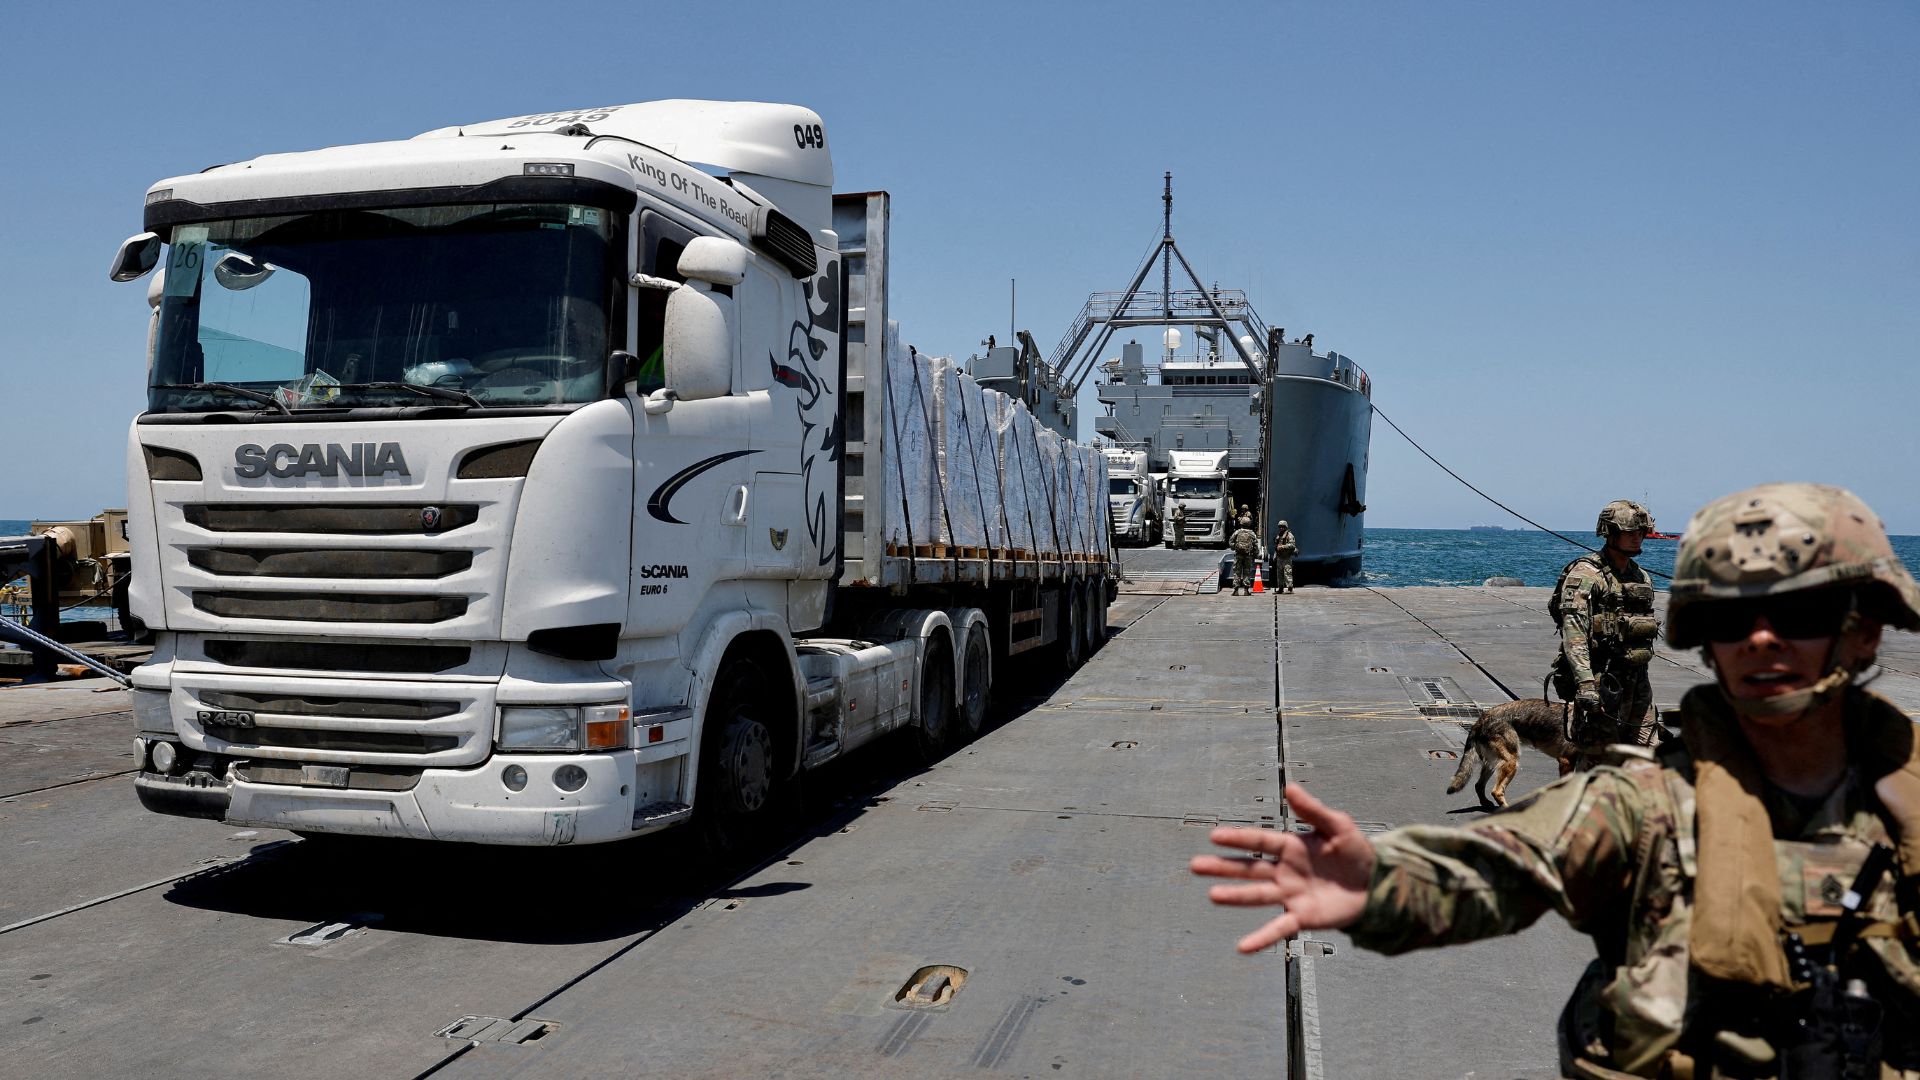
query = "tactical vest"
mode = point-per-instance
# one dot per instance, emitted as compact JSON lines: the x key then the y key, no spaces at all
{"x":1651,"y":1001}
{"x":1620,"y":616}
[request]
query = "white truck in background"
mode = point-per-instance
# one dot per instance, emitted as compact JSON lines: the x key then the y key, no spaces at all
{"x":1133,"y":501}
{"x":525,"y":483}
{"x":1197,"y":482}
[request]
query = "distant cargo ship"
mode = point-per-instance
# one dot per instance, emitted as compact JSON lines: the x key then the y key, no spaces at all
{"x":1243,"y":380}
{"x":1486,"y":528}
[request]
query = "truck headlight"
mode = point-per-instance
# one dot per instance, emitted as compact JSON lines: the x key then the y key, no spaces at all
{"x":546,"y":727}
{"x":152,"y":712}
{"x":564,"y":727}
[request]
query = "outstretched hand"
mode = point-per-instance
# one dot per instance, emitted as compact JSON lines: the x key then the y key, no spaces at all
{"x":1320,"y":878}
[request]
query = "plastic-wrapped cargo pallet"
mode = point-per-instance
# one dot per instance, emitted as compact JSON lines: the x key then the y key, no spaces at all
{"x":1020,"y":483}
{"x":966,"y":479}
{"x":913,"y":510}
{"x":1097,"y":499}
{"x":1053,"y":495}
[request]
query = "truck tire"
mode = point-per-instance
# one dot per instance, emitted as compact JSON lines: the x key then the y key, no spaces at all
{"x":935,"y":725}
{"x":976,"y":690}
{"x":1096,"y":595}
{"x":739,"y":765}
{"x":1073,"y":631}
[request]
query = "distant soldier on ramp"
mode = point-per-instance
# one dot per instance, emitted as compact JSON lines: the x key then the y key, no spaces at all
{"x":1246,"y":556}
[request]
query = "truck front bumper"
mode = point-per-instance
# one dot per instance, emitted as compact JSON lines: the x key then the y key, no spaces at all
{"x":473,"y":805}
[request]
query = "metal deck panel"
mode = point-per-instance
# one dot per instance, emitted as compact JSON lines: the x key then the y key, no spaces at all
{"x":1356,"y":740}
{"x":1085,"y":955}
{"x":77,"y":843}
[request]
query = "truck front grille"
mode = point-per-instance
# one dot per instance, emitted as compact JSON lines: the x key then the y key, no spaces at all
{"x":374,"y":742}
{"x":386,"y":658}
{"x":331,"y":607}
{"x":324,"y":563}
{"x":343,"y":520}
{"x":356,"y":708}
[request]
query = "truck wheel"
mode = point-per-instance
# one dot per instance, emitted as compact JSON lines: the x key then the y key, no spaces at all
{"x":977,"y":688}
{"x":1073,"y":635}
{"x":1096,"y":616}
{"x":936,"y":701}
{"x":739,"y":768}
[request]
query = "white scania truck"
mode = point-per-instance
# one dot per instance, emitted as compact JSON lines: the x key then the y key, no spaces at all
{"x":1197,"y":482}
{"x":1133,"y":500}
{"x":528,"y":483}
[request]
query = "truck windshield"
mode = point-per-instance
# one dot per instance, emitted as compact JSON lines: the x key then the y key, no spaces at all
{"x":1191,"y":488}
{"x":496,"y":304}
{"x":1123,"y":485}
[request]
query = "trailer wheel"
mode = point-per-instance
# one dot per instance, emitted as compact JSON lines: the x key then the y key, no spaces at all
{"x":739,"y":767}
{"x":1073,"y":635}
{"x":936,"y":700}
{"x":1096,"y":615}
{"x":977,"y":688}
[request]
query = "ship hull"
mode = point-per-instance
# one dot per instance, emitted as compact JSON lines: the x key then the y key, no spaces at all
{"x":1320,"y":431}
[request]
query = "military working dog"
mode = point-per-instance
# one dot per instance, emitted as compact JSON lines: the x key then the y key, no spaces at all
{"x":1495,"y":739}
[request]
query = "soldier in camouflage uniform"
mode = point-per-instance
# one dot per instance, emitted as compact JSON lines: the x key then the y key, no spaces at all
{"x":1750,"y":887}
{"x":1604,"y":605}
{"x":1284,"y":549}
{"x":1246,"y":556}
{"x":1179,"y":538}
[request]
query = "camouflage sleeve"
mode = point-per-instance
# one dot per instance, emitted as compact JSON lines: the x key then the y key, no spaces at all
{"x":1576,"y":622}
{"x":1567,"y":847}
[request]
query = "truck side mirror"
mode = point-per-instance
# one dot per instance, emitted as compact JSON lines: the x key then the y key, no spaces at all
{"x":698,"y":342}
{"x":136,"y":256}
{"x":715,"y":260}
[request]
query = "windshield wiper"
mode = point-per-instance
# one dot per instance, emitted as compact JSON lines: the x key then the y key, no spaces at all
{"x":260,"y":396}
{"x":440,"y":392}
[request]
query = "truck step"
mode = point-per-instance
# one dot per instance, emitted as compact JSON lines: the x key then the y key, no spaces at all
{"x":820,"y":752}
{"x":658,"y":814}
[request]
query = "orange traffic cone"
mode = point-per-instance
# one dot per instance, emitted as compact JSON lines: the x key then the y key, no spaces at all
{"x":1257,"y":576}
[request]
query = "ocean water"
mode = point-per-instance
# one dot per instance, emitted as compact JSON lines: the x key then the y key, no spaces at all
{"x":1398,"y":557}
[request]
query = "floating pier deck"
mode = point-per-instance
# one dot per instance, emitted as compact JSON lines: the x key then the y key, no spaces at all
{"x":1019,"y":908}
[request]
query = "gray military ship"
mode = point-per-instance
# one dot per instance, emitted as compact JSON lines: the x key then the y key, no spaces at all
{"x":1295,"y":423}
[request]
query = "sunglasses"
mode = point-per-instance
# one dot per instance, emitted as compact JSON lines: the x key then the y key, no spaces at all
{"x":1816,"y":613}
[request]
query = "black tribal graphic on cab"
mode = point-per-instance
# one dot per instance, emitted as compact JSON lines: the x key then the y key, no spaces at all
{"x":822,"y":431}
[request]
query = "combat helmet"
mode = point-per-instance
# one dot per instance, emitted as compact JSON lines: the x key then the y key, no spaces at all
{"x":1620,"y":516}
{"x":1782,"y":538}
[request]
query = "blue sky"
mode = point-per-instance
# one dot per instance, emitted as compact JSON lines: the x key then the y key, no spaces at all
{"x":1586,"y":251}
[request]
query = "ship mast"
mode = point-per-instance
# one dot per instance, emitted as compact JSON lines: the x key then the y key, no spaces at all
{"x":1225,"y":310}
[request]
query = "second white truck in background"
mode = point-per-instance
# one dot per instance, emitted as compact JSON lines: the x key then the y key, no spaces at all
{"x":1133,"y":499}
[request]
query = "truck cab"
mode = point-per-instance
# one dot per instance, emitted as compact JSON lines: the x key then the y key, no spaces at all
{"x":1133,"y":498}
{"x":1197,"y":483}
{"x":469,"y":460}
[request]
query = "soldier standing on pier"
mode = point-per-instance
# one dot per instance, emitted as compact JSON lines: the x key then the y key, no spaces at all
{"x":1749,"y":886}
{"x":1285,"y":547}
{"x":1179,"y":539}
{"x":1604,"y":606}
{"x":1246,"y":556}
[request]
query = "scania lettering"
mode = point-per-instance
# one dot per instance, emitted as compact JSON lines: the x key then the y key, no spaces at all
{"x":252,"y":461}
{"x":527,"y":483}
